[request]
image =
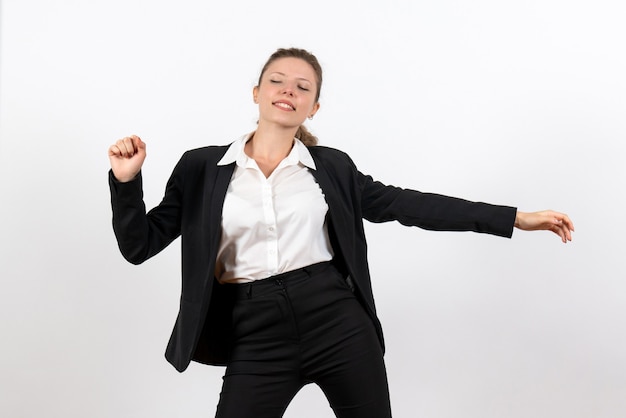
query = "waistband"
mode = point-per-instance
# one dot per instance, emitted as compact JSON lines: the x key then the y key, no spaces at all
{"x":258,"y":287}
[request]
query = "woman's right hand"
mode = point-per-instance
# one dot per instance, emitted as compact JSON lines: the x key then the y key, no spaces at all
{"x":127,"y":156}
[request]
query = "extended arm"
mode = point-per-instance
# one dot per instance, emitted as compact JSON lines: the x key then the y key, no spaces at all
{"x":431,"y":211}
{"x":381,"y":203}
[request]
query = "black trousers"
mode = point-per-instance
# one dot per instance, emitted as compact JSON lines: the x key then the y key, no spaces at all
{"x":300,"y":327}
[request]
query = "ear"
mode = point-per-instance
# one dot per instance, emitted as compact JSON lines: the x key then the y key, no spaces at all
{"x":255,"y":94}
{"x":314,"y":110}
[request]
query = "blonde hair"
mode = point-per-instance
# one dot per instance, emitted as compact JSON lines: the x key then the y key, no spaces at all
{"x":303,"y":133}
{"x":306,"y":137}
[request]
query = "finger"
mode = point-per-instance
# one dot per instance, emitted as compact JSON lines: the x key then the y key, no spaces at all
{"x":565,"y":227}
{"x":138,"y":143}
{"x":122,"y":147}
{"x":566,"y":224}
{"x":562,"y":217}
{"x":126,"y":146}
{"x":563,"y":234}
{"x":130,"y":146}
{"x":114,"y":151}
{"x":566,"y":234}
{"x":566,"y":220}
{"x":557,"y":231}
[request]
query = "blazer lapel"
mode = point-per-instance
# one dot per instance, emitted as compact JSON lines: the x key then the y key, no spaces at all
{"x":336,"y":207}
{"x":215,"y":201}
{"x":339,"y":221}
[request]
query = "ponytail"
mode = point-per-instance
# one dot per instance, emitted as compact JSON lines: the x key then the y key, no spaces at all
{"x":306,"y":137}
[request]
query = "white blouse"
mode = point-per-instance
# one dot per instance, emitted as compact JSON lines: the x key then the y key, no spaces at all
{"x":271,"y":225}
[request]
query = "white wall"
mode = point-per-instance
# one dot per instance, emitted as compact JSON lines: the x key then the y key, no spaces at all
{"x":520,"y":103}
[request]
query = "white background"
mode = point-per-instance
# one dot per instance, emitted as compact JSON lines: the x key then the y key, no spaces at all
{"x":518,"y":103}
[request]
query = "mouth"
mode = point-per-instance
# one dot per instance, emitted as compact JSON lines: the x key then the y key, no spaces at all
{"x":285,"y":105}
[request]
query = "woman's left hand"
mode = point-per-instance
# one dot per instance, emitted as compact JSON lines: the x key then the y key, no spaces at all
{"x":547,"y":220}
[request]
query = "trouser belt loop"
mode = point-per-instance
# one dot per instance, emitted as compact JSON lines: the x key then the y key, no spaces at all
{"x":308,"y":271}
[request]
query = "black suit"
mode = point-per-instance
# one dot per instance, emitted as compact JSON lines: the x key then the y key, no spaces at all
{"x":192,"y":208}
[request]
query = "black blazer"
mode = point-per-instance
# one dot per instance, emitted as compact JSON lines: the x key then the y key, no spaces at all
{"x":192,"y":208}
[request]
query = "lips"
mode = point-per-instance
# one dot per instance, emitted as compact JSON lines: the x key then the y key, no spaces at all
{"x":285,"y":105}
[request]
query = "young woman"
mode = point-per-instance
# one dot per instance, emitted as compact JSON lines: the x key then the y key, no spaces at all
{"x":275,"y":278}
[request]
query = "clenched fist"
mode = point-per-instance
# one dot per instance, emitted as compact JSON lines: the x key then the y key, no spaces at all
{"x":127,"y":156}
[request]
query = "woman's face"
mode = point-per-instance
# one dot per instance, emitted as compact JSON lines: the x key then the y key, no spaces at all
{"x":287,"y":93}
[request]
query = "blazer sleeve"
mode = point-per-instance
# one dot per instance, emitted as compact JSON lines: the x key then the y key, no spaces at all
{"x":382,"y":203}
{"x":141,"y":235}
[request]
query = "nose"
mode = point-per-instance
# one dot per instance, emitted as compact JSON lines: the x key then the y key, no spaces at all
{"x":289,"y":89}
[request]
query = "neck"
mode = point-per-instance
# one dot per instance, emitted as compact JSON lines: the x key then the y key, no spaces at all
{"x":270,"y":144}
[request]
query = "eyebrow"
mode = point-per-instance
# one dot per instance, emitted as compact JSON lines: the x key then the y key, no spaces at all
{"x":298,"y":78}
